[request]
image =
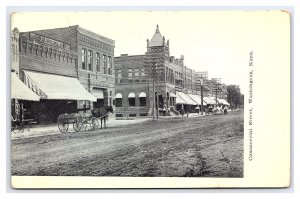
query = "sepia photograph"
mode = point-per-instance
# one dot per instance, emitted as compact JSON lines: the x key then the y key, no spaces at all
{"x":136,"y":93}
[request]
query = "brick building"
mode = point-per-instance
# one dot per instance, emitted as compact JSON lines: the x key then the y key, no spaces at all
{"x":70,"y":68}
{"x":175,"y":84}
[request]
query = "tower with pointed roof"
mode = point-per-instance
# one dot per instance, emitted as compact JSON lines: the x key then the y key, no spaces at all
{"x":158,"y":44}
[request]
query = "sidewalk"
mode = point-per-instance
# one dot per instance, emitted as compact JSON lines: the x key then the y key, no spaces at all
{"x":52,"y":129}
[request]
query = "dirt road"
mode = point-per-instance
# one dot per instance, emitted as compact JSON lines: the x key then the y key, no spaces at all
{"x":200,"y":146}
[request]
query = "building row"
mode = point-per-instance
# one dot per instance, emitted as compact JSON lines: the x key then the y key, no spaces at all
{"x":72,"y":69}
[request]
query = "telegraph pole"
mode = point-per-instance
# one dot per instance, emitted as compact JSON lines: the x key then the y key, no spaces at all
{"x":153,"y":107}
{"x":201,"y":87}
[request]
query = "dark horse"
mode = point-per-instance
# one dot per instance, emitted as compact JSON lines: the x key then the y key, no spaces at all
{"x":102,"y":113}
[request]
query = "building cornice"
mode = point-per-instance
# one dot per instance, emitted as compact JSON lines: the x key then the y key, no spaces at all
{"x":96,"y":36}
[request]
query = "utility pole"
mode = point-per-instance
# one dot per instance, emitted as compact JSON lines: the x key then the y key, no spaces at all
{"x":153,"y":67}
{"x":201,"y":96}
{"x":217,"y":82}
{"x":153,"y":107}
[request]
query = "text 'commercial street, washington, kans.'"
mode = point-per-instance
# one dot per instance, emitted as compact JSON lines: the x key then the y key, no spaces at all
{"x":178,"y":146}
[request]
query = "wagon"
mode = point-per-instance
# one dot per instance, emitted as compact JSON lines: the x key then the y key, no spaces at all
{"x":79,"y":121}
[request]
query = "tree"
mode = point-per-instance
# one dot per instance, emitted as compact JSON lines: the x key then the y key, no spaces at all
{"x":234,"y":96}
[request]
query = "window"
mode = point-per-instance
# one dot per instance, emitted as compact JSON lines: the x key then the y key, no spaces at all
{"x":98,"y":62}
{"x":105,"y":64}
{"x":136,"y":73}
{"x":118,"y":75}
{"x":142,"y":101}
{"x":132,"y":114}
{"x":109,"y":65}
{"x":143,"y":114}
{"x":129,"y":73}
{"x":131,"y":101}
{"x":119,"y":102}
{"x":83,"y":58}
{"x":119,"y":115}
{"x":90,"y":59}
{"x":143,"y":72}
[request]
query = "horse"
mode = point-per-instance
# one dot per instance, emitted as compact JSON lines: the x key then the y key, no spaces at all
{"x":102,"y":113}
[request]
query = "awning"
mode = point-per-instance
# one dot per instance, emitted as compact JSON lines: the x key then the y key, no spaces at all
{"x":180,"y":100}
{"x":20,"y":91}
{"x":142,"y":94}
{"x":223,"y":101}
{"x":172,"y":95}
{"x":131,"y":95}
{"x":58,"y":87}
{"x":118,"y":96}
{"x":186,"y":98}
{"x":197,"y":99}
{"x":98,"y":93}
{"x":209,"y":100}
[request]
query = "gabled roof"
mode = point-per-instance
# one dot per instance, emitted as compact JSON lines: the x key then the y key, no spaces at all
{"x":157,"y":39}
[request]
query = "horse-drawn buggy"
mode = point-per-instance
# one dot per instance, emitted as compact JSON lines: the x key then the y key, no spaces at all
{"x":84,"y":121}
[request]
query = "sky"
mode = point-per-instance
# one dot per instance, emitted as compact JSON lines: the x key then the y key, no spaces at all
{"x":215,"y":41}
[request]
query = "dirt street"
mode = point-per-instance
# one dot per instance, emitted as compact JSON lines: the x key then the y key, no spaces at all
{"x":210,"y":146}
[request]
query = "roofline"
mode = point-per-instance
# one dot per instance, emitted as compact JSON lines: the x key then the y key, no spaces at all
{"x":95,"y":35}
{"x":82,"y":31}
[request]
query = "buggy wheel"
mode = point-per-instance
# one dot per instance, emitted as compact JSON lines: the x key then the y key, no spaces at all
{"x":84,"y":126}
{"x":63,"y":127}
{"x":77,"y":125}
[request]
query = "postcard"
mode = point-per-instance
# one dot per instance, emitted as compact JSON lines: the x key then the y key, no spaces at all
{"x":150,"y":99}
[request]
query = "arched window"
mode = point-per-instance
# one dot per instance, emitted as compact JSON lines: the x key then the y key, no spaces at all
{"x":142,"y":99}
{"x":118,"y":98}
{"x":131,"y":99}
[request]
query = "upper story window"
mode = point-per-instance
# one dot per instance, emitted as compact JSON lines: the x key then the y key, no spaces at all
{"x":136,"y":73}
{"x":90,"y":60}
{"x":83,"y":59}
{"x":129,"y":73}
{"x":109,"y":65}
{"x":118,"y":75}
{"x":143,"y":72}
{"x":98,"y":62}
{"x":105,"y":64}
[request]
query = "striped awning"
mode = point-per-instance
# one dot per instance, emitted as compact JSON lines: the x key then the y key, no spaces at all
{"x":20,"y":91}
{"x":186,"y":98}
{"x":209,"y":100}
{"x":223,"y":101}
{"x":57,"y":87}
{"x":197,"y":99}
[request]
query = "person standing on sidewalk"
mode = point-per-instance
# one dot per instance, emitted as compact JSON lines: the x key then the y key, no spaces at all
{"x":182,"y":110}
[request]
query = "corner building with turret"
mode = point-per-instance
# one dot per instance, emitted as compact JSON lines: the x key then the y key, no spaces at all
{"x":174,"y":83}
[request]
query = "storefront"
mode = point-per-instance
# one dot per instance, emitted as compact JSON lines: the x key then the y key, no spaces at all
{"x":20,"y":96}
{"x":59,"y":94}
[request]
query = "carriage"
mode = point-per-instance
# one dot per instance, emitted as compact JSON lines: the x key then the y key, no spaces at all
{"x":84,"y":121}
